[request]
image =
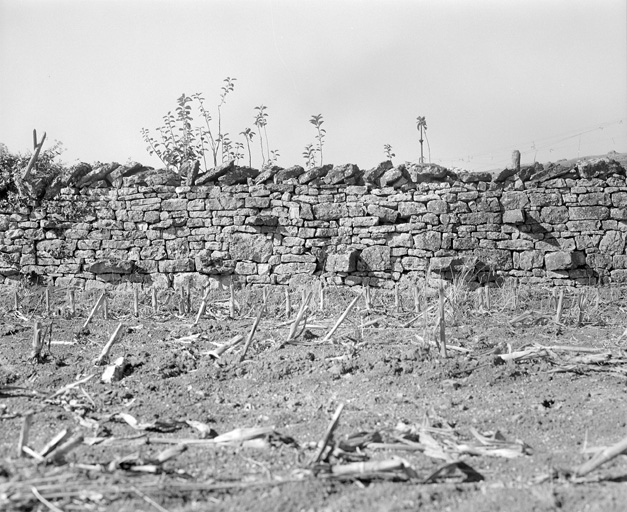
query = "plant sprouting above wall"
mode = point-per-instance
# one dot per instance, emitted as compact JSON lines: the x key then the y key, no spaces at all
{"x":179,"y":140}
{"x":310,"y":150}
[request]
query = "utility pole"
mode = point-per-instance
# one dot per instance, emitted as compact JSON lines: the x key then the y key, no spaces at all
{"x":421,"y":124}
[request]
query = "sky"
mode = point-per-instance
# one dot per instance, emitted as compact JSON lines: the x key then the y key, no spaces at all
{"x":546,"y":77}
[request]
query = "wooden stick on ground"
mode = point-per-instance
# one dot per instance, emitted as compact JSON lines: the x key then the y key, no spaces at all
{"x":288,"y":304}
{"x":216,"y":354}
{"x":16,"y":301}
{"x":341,"y":319}
{"x":322,"y":296}
{"x":443,"y":352}
{"x":231,"y":299}
{"x":264,"y":294}
{"x":397,"y":299}
{"x":104,"y":355}
{"x":154,"y":301}
{"x":299,"y":316}
{"x":94,"y":309}
{"x":203,"y":307}
{"x":602,"y":457}
{"x":105,"y":308}
{"x":72,"y":299}
{"x":23,"y":439}
{"x":55,"y":441}
{"x":38,"y":342}
{"x":44,"y":501}
{"x":251,"y":334}
{"x":330,"y":429}
{"x":47,"y":299}
{"x":135,"y":302}
{"x":416,"y":299}
{"x":182,"y":310}
{"x":560,"y":306}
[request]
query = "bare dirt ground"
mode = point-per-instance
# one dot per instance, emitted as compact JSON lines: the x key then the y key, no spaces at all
{"x":505,"y":422}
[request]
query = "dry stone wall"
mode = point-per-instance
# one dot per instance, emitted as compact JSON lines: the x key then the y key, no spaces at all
{"x":558,"y":225}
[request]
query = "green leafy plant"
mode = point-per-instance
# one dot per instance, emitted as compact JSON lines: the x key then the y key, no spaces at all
{"x":248,"y":134}
{"x":179,"y":141}
{"x":215,"y":141}
{"x":310,"y":156}
{"x":387,"y":148}
{"x":261,"y":120}
{"x":317,"y":122}
{"x":421,"y":126}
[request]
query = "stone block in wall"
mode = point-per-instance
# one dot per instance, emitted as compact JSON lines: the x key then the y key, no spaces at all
{"x":411,"y":263}
{"x":257,"y":202}
{"x":249,"y":247}
{"x":619,"y":199}
{"x":465,"y":243}
{"x":177,"y":249}
{"x":583,"y":225}
{"x":295,"y":268}
{"x":261,"y":220}
{"x":385,"y":215}
{"x":528,"y":260}
{"x":619,"y":276}
{"x":345,"y":262}
{"x":376,"y":257}
{"x":316,"y":173}
{"x":474,"y":177}
{"x":372,"y":175}
{"x":171,"y":205}
{"x":437,"y":206}
{"x":599,"y":261}
{"x":619,"y":214}
{"x":245,"y":268}
{"x":288,"y":174}
{"x":9,"y":264}
{"x":442,"y":263}
{"x":559,"y":260}
{"x":396,"y":177}
{"x":428,"y":241}
{"x":179,"y":265}
{"x":478,"y":218}
{"x":513,"y":217}
{"x":594,"y":199}
{"x":110,"y":266}
{"x":556,"y":243}
{"x":266,"y":174}
{"x":554,"y":214}
{"x":400,"y":240}
{"x":500,"y":259}
{"x":58,"y":249}
{"x":515,"y":245}
{"x":613,"y":242}
{"x":588,"y":212}
{"x":238,"y":175}
{"x":544,"y":199}
{"x":407,"y":209}
{"x":213,"y":174}
{"x":330,"y":211}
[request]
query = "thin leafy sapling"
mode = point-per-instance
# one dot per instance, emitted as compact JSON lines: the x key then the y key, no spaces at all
{"x":310,"y":156}
{"x":317,"y":122}
{"x":387,"y":148}
{"x":215,"y":141}
{"x":248,"y":134}
{"x":261,"y":120}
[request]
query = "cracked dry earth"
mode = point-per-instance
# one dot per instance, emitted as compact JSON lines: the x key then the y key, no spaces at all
{"x":149,"y":439}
